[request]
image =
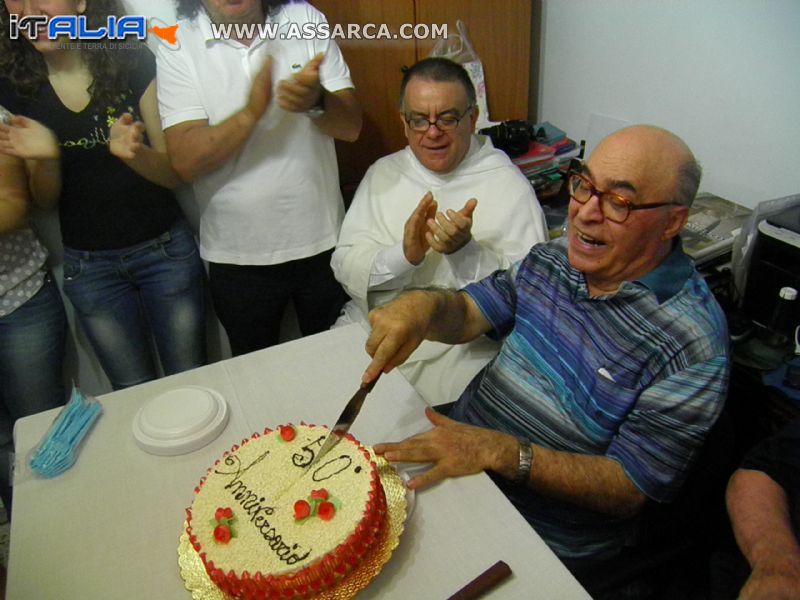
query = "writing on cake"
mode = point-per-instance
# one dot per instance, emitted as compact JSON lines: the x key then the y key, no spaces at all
{"x":254,"y":506}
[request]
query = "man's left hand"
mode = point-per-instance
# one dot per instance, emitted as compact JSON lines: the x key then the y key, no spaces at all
{"x":303,"y":90}
{"x":450,"y":232}
{"x":454,"y":449}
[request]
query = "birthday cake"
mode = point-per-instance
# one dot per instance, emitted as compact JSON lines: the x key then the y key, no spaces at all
{"x":265,"y":525}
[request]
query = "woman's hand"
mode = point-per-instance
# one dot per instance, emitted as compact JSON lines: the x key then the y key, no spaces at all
{"x":28,"y":139}
{"x":126,"y":137}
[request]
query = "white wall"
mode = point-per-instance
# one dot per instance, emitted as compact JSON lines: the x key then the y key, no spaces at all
{"x":722,"y":74}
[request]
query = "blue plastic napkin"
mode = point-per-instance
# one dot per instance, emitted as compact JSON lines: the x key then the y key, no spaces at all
{"x":57,"y":451}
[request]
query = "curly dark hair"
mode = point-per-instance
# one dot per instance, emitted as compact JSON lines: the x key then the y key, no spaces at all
{"x":188,"y":9}
{"x":25,"y":68}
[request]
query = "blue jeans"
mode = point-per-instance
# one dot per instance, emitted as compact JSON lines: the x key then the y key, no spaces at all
{"x":127,"y":298}
{"x":32,"y":342}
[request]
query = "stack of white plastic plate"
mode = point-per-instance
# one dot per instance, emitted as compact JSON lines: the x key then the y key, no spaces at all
{"x":180,"y":420}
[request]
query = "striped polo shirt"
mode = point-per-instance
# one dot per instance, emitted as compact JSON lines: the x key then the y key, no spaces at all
{"x":638,"y":376}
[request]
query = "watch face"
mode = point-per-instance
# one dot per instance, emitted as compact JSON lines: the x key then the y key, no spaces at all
{"x":525,"y":462}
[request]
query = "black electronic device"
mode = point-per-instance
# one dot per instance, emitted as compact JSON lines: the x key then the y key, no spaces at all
{"x":788,"y":220}
{"x":792,"y":377}
{"x":775,"y":264}
{"x":512,"y":137}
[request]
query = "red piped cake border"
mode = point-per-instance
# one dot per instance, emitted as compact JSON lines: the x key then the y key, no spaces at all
{"x":324,"y":573}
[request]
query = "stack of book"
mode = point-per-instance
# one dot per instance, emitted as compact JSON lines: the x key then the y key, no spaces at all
{"x":548,"y":155}
{"x":538,"y":158}
{"x":712,"y":227}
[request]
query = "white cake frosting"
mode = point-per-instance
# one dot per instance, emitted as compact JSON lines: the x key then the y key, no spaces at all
{"x":260,"y":482}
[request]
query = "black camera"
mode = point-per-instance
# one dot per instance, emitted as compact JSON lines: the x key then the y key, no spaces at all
{"x":512,"y":137}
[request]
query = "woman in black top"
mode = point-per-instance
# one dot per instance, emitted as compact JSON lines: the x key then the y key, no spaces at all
{"x":87,"y":124}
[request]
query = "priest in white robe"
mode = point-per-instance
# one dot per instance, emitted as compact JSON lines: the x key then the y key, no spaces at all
{"x":446,"y":210}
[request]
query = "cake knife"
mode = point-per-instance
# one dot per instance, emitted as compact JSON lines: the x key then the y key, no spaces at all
{"x":345,"y":420}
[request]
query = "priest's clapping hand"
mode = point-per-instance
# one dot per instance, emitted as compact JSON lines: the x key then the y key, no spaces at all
{"x":449,"y":232}
{"x":415,"y":231}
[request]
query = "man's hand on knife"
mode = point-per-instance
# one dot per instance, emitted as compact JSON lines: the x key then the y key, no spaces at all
{"x":398,"y":328}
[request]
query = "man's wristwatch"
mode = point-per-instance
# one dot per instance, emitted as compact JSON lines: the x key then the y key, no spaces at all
{"x":525,"y":462}
{"x":316,"y":111}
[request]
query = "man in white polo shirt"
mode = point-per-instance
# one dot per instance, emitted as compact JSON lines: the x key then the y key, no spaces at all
{"x":251,"y":122}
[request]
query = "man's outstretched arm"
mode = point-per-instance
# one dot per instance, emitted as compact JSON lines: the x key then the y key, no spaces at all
{"x":400,"y":326}
{"x":455,"y":449}
{"x":759,"y":513}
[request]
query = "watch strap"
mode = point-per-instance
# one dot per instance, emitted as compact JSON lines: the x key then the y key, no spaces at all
{"x":316,"y":111}
{"x":525,"y":462}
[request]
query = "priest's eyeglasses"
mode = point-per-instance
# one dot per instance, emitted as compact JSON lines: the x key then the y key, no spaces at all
{"x":445,"y":122}
{"x":613,"y":206}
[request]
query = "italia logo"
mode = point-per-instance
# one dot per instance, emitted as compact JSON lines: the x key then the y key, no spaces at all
{"x":75,"y":27}
{"x":166,"y":34}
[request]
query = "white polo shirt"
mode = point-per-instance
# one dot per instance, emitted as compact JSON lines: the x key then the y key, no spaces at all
{"x":278,"y":198}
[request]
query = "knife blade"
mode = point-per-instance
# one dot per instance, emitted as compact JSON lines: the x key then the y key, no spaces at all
{"x":345,"y":420}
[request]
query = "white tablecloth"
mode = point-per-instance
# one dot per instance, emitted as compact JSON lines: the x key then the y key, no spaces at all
{"x":108,"y":528}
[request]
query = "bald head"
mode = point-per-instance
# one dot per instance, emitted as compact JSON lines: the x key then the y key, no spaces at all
{"x":645,"y":167}
{"x":660,"y":157}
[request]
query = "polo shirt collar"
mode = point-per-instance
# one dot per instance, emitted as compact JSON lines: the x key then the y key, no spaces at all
{"x":668,"y":278}
{"x":204,"y":25}
{"x":279,"y":16}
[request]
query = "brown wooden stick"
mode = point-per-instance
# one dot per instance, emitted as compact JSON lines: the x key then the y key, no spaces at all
{"x":483,"y":582}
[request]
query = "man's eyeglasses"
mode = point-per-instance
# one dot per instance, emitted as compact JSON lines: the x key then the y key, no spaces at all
{"x":443,"y":122}
{"x":613,"y":206}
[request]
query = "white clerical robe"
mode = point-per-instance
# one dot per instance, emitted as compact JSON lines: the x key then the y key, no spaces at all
{"x":370,"y":264}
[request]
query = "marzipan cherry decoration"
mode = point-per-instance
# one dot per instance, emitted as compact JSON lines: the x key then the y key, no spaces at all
{"x":287,"y":432}
{"x":223,"y":525}
{"x":325,"y":511}
{"x":319,"y":504}
{"x":319,"y":494}
{"x":302,"y":510}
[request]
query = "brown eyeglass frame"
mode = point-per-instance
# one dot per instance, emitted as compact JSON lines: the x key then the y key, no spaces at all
{"x":603,"y":196}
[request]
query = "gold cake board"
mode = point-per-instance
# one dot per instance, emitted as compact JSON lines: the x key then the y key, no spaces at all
{"x":200,"y":585}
